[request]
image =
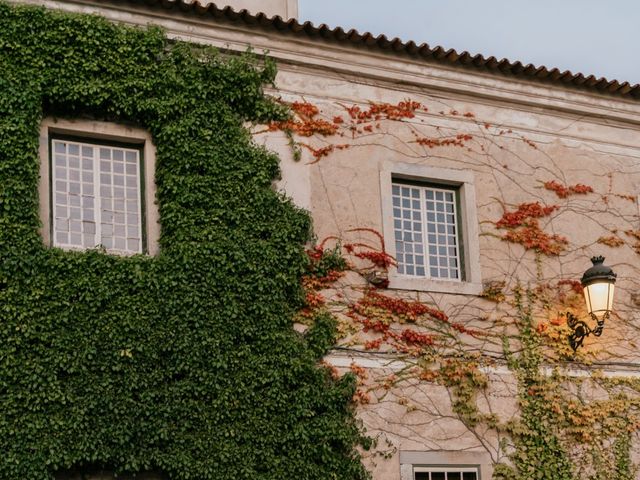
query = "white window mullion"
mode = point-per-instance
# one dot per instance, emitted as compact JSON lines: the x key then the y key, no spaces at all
{"x":139,"y":211}
{"x":425,"y":239}
{"x":97,"y":201}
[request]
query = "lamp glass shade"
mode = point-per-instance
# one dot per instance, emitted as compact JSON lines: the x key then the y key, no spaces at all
{"x":599,"y":298}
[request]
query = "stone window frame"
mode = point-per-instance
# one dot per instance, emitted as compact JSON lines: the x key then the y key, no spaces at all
{"x":463,"y":181}
{"x":95,"y":131}
{"x":411,"y":459}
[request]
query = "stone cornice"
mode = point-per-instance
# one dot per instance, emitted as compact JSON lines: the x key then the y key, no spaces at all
{"x":362,"y":63}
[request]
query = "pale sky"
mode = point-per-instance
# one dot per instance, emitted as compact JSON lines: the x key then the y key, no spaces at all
{"x":596,"y":37}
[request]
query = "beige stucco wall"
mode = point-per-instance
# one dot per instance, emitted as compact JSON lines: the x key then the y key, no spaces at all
{"x":567,"y":146}
{"x":524,"y":134}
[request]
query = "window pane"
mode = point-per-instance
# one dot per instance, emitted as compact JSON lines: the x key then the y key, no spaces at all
{"x":408,"y":226}
{"x":120,"y":194}
{"x":83,"y":220}
{"x":432,"y":210}
{"x":445,"y":473}
{"x":443,"y":224}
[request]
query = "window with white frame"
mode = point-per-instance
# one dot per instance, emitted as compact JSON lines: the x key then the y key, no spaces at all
{"x":430,"y":227}
{"x":445,"y":465}
{"x":96,"y":195}
{"x":426,"y":227}
{"x":97,"y":186}
{"x":445,"y":473}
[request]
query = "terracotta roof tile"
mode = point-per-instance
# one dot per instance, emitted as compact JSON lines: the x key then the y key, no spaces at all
{"x":397,"y":46}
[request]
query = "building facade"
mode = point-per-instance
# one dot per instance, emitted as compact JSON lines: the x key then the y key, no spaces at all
{"x":467,"y":196}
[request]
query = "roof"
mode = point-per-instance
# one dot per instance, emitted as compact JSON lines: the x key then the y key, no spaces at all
{"x":396,"y":46}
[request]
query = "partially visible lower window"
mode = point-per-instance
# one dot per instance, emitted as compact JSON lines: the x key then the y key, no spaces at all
{"x":96,"y":195}
{"x":426,"y":230}
{"x":445,"y":465}
{"x":98,"y":187}
{"x":445,"y":473}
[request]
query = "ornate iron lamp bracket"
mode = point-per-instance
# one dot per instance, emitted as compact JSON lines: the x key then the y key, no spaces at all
{"x":580,"y":329}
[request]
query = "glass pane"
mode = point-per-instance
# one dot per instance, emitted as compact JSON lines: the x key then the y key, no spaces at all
{"x":120,"y":199}
{"x":432,"y":209}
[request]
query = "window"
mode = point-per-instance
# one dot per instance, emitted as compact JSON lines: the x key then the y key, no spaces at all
{"x":430,"y":228}
{"x":96,"y":196}
{"x":426,"y":230}
{"x":445,"y":473}
{"x":445,"y":465}
{"x":93,"y":192}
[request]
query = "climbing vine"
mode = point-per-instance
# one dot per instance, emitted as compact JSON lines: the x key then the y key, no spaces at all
{"x":554,"y":428}
{"x":184,"y":364}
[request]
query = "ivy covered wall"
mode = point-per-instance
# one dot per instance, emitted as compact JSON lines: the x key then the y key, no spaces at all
{"x":184,"y":363}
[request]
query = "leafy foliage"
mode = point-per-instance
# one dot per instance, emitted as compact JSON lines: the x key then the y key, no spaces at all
{"x":185,"y":363}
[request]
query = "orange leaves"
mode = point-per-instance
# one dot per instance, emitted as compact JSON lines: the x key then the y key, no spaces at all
{"x":325,"y":267}
{"x":454,"y":371}
{"x":563,"y":191}
{"x":611,"y":241}
{"x":524,"y":228}
{"x":305,"y":128}
{"x":408,"y":311}
{"x":387,"y":111}
{"x":635,"y":234}
{"x":314,"y":300}
{"x":361,"y":395}
{"x":378,"y":257}
{"x":305,"y":125}
{"x":305,"y":109}
{"x":457,"y":141}
{"x":524,"y":214}
{"x":318,"y":153}
{"x":359,"y":120}
{"x":377,"y":313}
{"x":416,"y":338}
{"x":532,"y":237}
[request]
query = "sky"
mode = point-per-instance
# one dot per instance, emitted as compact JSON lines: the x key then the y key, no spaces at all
{"x":596,"y":37}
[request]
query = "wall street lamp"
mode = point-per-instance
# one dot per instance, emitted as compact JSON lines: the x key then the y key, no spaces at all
{"x":598,"y":284}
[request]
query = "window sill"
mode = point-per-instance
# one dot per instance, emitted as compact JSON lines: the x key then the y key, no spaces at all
{"x":400,"y":282}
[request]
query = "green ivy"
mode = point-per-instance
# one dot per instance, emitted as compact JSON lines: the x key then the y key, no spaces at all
{"x":538,"y":452}
{"x":184,"y":363}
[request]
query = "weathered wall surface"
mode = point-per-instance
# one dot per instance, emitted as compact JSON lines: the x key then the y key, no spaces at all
{"x":518,"y":155}
{"x":521,"y":144}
